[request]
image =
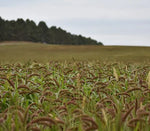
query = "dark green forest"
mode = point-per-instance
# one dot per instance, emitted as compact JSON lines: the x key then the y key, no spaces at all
{"x":28,"y":30}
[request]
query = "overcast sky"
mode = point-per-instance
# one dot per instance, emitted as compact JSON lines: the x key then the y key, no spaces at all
{"x":113,"y":22}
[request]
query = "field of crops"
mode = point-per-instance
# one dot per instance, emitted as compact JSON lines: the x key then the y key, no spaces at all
{"x":74,"y":96}
{"x":12,"y":52}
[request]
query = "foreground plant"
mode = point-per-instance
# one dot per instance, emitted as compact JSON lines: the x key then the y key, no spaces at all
{"x":74,"y":96}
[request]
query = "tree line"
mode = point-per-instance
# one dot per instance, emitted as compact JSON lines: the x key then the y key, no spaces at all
{"x":28,"y":30}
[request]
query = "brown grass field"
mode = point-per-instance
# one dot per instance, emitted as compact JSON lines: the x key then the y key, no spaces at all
{"x":11,"y":52}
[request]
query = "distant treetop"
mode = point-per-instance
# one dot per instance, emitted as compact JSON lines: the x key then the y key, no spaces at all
{"x":21,"y":30}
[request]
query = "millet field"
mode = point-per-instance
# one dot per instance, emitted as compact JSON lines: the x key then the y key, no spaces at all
{"x":75,"y":93}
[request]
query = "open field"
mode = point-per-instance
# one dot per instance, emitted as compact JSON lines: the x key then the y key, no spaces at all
{"x":74,"y":88}
{"x":11,"y":52}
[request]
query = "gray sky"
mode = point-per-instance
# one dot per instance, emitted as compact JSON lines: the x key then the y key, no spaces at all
{"x":113,"y":22}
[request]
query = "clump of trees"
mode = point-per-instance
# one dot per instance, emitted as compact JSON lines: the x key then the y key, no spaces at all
{"x":27,"y":30}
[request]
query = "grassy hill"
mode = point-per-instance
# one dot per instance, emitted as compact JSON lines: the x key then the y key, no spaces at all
{"x":11,"y":52}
